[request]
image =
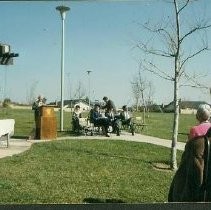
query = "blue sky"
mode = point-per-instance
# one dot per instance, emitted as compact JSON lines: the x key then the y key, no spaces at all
{"x":99,"y":36}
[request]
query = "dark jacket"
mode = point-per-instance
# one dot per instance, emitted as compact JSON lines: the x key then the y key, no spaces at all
{"x":188,"y":184}
{"x":94,"y":116}
{"x":109,"y":105}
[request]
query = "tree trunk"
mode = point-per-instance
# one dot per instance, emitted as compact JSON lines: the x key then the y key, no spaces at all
{"x":137,"y":104}
{"x":176,"y":93}
{"x":175,"y":126}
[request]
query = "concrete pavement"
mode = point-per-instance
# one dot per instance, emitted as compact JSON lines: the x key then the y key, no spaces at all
{"x":136,"y":138}
{"x":17,"y":146}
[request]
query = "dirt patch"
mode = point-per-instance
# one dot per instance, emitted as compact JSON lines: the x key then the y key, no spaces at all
{"x":161,"y":166}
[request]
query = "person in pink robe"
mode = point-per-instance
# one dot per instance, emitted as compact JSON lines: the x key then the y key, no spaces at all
{"x":203,"y":117}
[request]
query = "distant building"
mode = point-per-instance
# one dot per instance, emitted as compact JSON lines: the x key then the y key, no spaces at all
{"x":186,"y":107}
{"x":83,"y":105}
{"x":70,"y":104}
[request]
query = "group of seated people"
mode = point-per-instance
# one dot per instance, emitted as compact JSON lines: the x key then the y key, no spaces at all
{"x":111,"y":118}
{"x":105,"y":120}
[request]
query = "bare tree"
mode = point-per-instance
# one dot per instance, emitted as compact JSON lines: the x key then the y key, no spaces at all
{"x":142,"y":90}
{"x":149,"y":95}
{"x":174,"y":37}
{"x":135,"y":84}
{"x":31,"y":96}
{"x":80,"y":91}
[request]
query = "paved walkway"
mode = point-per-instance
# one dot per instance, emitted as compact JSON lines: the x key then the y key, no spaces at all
{"x":17,"y":146}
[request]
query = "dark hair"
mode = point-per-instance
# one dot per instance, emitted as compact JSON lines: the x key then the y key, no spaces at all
{"x":77,"y":106}
{"x":124,"y":107}
{"x":105,"y":98}
{"x":97,"y":105}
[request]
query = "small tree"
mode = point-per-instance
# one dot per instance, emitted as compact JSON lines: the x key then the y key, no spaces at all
{"x":174,"y":36}
{"x":6,"y":103}
{"x":142,"y":90}
{"x":31,"y":96}
{"x":136,"y":90}
{"x":80,"y":91}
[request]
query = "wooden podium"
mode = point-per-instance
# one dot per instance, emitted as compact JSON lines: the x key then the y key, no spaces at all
{"x":46,"y":126}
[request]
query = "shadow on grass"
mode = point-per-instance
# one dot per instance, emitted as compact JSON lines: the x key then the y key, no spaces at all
{"x":162,"y":165}
{"x":19,"y":137}
{"x":69,"y":133}
{"x":110,"y":155}
{"x":100,"y":200}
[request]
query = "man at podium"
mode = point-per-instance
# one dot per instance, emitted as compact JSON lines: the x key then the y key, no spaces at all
{"x":40,"y":101}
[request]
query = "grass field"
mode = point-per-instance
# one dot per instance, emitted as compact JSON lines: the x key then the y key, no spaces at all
{"x":81,"y":171}
{"x":159,"y":124}
{"x":88,"y":171}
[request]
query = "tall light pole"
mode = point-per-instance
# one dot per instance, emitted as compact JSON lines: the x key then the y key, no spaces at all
{"x":62,"y":10}
{"x":88,"y":72}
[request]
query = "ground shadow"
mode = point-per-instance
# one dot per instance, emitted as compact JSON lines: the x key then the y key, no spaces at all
{"x":19,"y":137}
{"x":110,"y":155}
{"x":162,"y":165}
{"x":100,"y":200}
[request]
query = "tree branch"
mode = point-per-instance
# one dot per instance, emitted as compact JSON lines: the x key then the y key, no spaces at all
{"x":194,"y":81}
{"x":157,"y":71}
{"x":186,"y":3}
{"x":197,"y":28}
{"x":167,"y":36}
{"x":191,"y":56}
{"x":160,"y":53}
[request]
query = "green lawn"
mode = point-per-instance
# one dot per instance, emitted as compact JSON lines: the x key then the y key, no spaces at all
{"x":161,"y":124}
{"x":86,"y":171}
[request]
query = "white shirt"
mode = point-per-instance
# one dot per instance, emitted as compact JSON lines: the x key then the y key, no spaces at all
{"x":126,"y":115}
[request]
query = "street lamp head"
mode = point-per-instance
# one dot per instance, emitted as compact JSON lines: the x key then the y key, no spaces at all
{"x":88,"y":72}
{"x":62,"y":10}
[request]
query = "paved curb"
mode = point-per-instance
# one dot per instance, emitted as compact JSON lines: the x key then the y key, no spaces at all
{"x":17,"y":146}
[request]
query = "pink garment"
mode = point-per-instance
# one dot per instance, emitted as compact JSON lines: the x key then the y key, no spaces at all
{"x":199,"y":130}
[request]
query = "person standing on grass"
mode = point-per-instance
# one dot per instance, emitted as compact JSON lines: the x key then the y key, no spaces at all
{"x":109,"y":104}
{"x":203,"y":117}
{"x":40,"y":101}
{"x":191,"y":182}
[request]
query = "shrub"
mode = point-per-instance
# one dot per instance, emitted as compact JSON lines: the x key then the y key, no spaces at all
{"x":6,"y":103}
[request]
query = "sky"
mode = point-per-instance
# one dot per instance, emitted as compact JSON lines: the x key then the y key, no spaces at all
{"x":100,"y":36}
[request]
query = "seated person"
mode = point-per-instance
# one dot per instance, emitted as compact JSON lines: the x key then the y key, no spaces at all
{"x":203,"y":116}
{"x":98,"y":120}
{"x":126,"y":119}
{"x":113,"y":121}
{"x":75,"y":119}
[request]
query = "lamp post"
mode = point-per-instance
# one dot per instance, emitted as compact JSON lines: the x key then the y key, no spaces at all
{"x":62,"y":10}
{"x":88,"y":72}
